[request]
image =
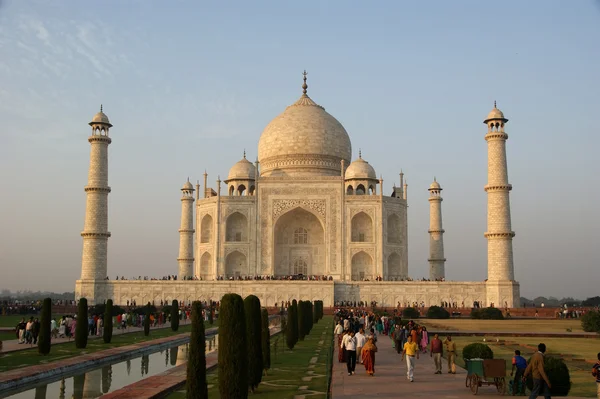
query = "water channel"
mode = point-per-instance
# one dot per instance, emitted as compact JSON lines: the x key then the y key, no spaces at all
{"x":96,"y":382}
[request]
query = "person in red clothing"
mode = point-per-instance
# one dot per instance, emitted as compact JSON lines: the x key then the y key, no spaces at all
{"x":436,"y":352}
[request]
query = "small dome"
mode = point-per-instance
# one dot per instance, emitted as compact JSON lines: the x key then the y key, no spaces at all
{"x":435,"y":185}
{"x":494,"y":114}
{"x":242,"y":170}
{"x":100,"y":117}
{"x":188,"y":186}
{"x":360,"y":169}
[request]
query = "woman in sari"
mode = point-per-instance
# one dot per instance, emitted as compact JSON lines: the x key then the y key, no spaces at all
{"x":379,"y":326}
{"x":424,"y":339}
{"x":368,"y":356}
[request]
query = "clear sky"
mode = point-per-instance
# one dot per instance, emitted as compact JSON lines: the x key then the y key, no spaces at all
{"x":188,"y":85}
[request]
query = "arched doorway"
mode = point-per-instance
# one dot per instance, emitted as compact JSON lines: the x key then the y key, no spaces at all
{"x":362,"y":267}
{"x":235,"y":265}
{"x":299,"y":241}
{"x":394,"y":269}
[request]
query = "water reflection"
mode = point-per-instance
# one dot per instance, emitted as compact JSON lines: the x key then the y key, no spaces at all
{"x":102,"y":380}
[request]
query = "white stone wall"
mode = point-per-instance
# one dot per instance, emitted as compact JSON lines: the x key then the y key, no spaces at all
{"x":185,"y":258}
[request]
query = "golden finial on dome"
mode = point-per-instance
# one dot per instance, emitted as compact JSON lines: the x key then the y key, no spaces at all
{"x":304,"y":85}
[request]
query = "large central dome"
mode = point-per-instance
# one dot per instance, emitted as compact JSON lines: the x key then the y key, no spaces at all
{"x":304,"y":140}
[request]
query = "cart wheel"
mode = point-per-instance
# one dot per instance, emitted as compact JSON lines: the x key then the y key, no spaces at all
{"x":501,"y":385}
{"x":475,"y":384}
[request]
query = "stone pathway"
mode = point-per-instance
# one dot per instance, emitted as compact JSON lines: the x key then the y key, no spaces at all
{"x":14,"y":345}
{"x":390,"y":378}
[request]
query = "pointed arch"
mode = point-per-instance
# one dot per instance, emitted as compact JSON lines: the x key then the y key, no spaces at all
{"x":206,"y":227}
{"x":205,"y":265}
{"x":236,"y":229}
{"x":362,"y":266}
{"x":360,"y":190}
{"x":394,"y":229}
{"x":362,"y":228}
{"x":236,"y":265}
{"x":350,"y":190}
{"x":394,"y":266}
{"x":241,"y":190}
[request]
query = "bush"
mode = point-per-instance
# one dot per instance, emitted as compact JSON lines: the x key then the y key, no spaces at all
{"x":590,"y":321}
{"x":266,"y":339}
{"x":147,"y":320}
{"x":175,"y":315}
{"x":210,"y":313}
{"x":233,"y":360}
{"x":291,"y":330}
{"x":45,"y":333}
{"x":301,"y":320}
{"x":477,"y":351}
{"x":108,"y":322}
{"x":410,"y":313}
{"x":558,"y":374}
{"x":81,"y":326}
{"x":196,"y":365}
{"x":487,"y":314}
{"x":436,"y":312}
{"x":253,"y":340}
{"x":101,"y":309}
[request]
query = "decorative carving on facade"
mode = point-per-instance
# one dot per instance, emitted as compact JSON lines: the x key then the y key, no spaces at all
{"x":369,"y":211}
{"x":230,"y":211}
{"x":368,"y":250}
{"x":243,"y":249}
{"x":280,"y":206}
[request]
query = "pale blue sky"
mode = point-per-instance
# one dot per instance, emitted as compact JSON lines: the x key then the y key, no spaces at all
{"x":189,"y":85}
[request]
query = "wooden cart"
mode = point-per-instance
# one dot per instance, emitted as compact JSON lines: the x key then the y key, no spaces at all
{"x":486,"y":371}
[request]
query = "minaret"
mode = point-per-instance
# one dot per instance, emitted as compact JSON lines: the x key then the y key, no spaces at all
{"x":95,"y":230}
{"x":499,"y":233}
{"x":436,"y":233}
{"x":186,"y":232}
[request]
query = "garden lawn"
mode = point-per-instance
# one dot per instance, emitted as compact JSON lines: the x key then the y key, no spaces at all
{"x":575,"y":352}
{"x":12,"y":320}
{"x":288,"y":368}
{"x":30,"y":357}
{"x":5,"y":336}
{"x":507,"y":325}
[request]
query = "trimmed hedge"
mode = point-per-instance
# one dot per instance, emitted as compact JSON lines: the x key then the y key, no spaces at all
{"x":175,"y":315}
{"x":590,"y":321}
{"x":477,"y":351}
{"x":253,"y":340}
{"x":302,"y":327}
{"x":291,"y":330}
{"x":487,"y":314}
{"x":437,"y":312}
{"x":108,"y":322}
{"x":410,"y":313}
{"x":81,"y":326}
{"x":45,"y":333}
{"x":233,"y":358}
{"x":558,"y":374}
{"x":266,"y":339}
{"x":147,"y":320}
{"x":196,"y":365}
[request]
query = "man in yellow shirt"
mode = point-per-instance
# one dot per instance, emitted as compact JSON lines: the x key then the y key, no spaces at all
{"x":451,"y":353}
{"x":411,"y":349}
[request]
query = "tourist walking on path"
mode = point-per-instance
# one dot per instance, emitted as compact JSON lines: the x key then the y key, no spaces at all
{"x":424,"y":339}
{"x":519,"y":363}
{"x":360,"y":342}
{"x":541,"y":383}
{"x":411,"y":349}
{"x":368,"y":356}
{"x":349,"y":343}
{"x":596,"y":373}
{"x":437,"y":350}
{"x":451,"y":354}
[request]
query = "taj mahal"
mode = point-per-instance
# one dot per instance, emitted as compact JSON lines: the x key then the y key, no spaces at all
{"x":305,"y":221}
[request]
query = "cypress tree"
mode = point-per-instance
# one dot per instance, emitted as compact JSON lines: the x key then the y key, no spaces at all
{"x":108,"y":322}
{"x":290,"y":339}
{"x":81,"y":326}
{"x":210,"y":313}
{"x":315,"y":312}
{"x":196,"y":366}
{"x":302,"y":320}
{"x":45,"y":333}
{"x":175,"y":315}
{"x":233,"y":360}
{"x":310,"y":306}
{"x":266,"y":340}
{"x":147,"y":320}
{"x":253,"y":340}
{"x":295,"y":321}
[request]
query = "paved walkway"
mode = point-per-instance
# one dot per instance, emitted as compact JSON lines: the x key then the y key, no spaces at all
{"x":12,"y":345}
{"x":390,"y":379}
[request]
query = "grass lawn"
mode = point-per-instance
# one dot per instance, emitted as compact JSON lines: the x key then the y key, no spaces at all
{"x":6,"y":336}
{"x":288,"y":368}
{"x":30,"y":357}
{"x":12,"y":320}
{"x":573,"y":350}
{"x":509,"y":325}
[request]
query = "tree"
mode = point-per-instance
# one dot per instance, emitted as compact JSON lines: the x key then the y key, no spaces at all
{"x":45,"y":333}
{"x":233,"y":361}
{"x":81,"y":327}
{"x":437,"y":312}
{"x":590,"y":321}
{"x":253,"y":340}
{"x":302,"y":320}
{"x":315,"y":312}
{"x":210,"y":313}
{"x":196,"y":365}
{"x":290,"y":329}
{"x":108,"y":322}
{"x":147,"y":320}
{"x":266,"y":340}
{"x":310,"y":318}
{"x":593,"y":301}
{"x":294,"y":326}
{"x":175,"y":315}
{"x":410,"y":313}
{"x":477,"y":351}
